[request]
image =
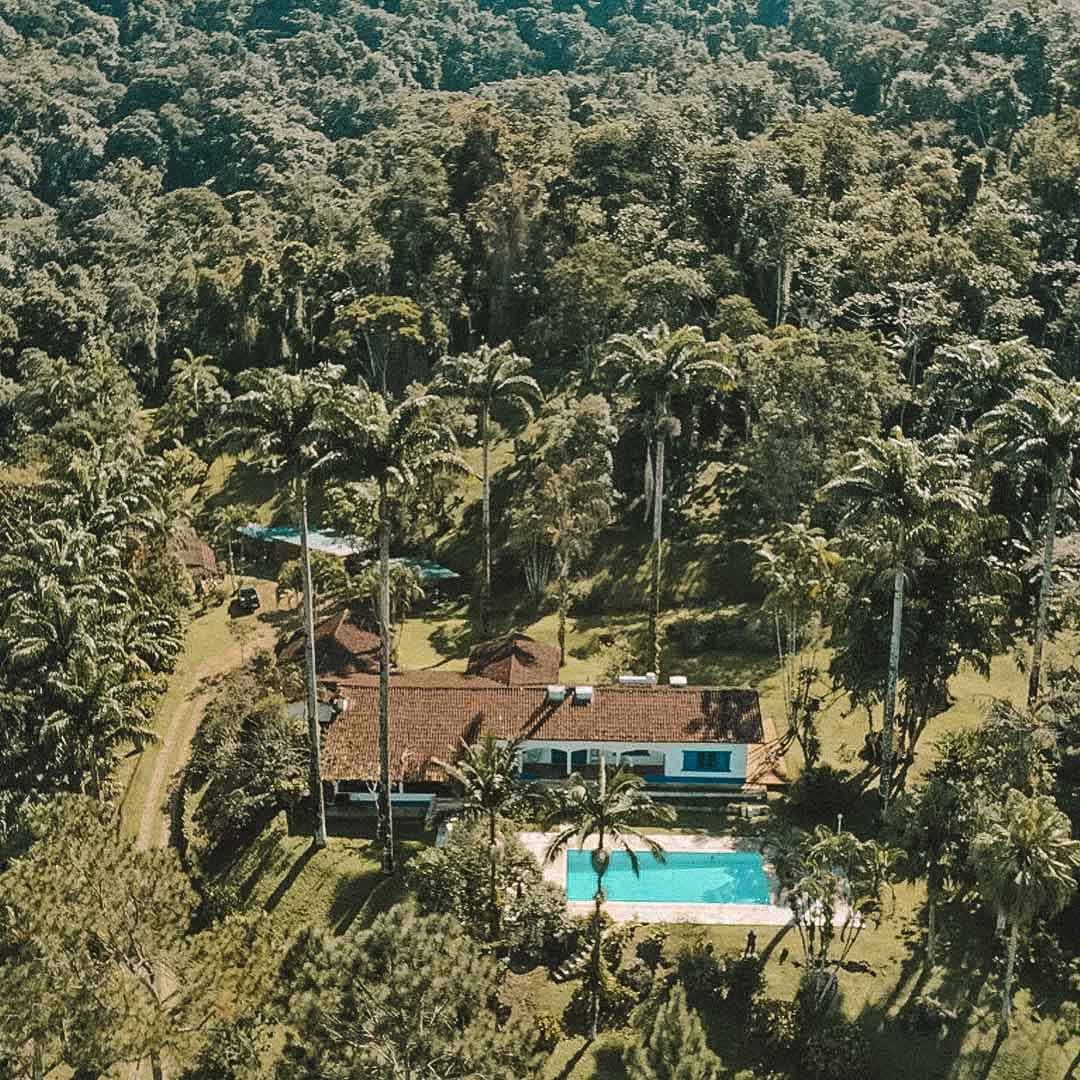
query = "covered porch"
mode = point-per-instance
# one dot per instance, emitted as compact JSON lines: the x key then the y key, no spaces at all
{"x":658,"y":763}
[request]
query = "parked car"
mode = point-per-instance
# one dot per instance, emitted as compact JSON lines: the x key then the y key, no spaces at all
{"x":247,"y":600}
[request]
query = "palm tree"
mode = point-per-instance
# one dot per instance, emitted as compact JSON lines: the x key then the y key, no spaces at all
{"x":195,"y":376}
{"x":487,"y":774}
{"x":284,"y":420}
{"x":226,"y":522}
{"x":566,"y":508}
{"x":929,"y":833}
{"x":1037,"y":429}
{"x":1027,"y":865}
{"x":394,"y":448}
{"x":657,"y":365}
{"x":901,"y":492}
{"x":486,"y":378}
{"x":610,"y":812}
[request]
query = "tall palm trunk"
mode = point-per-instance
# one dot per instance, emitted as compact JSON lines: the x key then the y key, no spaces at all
{"x":318,"y":805}
{"x":1010,"y":967}
{"x":597,"y":954}
{"x":564,"y":603}
{"x":485,"y":455}
{"x":155,"y":1065}
{"x":657,"y":552}
{"x":386,"y":817}
{"x":889,"y":717}
{"x":493,"y":890}
{"x":931,"y":924}
{"x":1044,"y":592}
{"x":232,"y":564}
{"x":39,"y":1064}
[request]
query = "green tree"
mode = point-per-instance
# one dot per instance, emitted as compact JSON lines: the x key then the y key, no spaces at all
{"x":672,"y":1045}
{"x":194,"y":397}
{"x":1036,"y":430}
{"x":98,"y":968}
{"x":835,"y":885}
{"x":566,"y":508}
{"x":248,"y":758}
{"x":487,"y":772}
{"x":901,"y":492}
{"x":284,"y":421}
{"x":928,"y":832}
{"x":412,"y":996}
{"x":393,"y":449}
{"x":609,"y":813}
{"x":657,"y":365}
{"x":487,"y":379}
{"x":796,"y":565}
{"x":225,"y":522}
{"x":1027,"y":865}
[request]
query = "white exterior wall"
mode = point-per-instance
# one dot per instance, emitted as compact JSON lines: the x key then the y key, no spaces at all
{"x":673,"y":755}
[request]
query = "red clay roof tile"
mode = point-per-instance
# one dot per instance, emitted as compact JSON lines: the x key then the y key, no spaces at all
{"x":429,"y":722}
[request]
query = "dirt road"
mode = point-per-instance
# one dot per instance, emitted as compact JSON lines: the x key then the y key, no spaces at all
{"x":210,"y":650}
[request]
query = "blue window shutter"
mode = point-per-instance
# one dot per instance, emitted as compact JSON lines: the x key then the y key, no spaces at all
{"x":689,"y":760}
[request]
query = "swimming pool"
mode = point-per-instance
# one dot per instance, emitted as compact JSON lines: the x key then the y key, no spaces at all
{"x":685,"y":877}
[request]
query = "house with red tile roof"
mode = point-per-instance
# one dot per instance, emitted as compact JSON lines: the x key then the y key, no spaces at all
{"x":678,"y":738}
{"x":515,"y":660}
{"x":342,"y":647}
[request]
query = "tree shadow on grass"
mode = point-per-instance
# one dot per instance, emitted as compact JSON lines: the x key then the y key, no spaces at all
{"x":289,"y":879}
{"x":451,"y":641}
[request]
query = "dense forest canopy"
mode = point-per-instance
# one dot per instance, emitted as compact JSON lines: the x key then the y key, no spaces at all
{"x":431,"y":174}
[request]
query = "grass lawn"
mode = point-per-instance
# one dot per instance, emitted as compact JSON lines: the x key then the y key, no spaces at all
{"x":337,"y":887}
{"x":883,"y":974}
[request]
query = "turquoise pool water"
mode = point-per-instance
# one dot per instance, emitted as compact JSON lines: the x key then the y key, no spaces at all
{"x":685,"y":877}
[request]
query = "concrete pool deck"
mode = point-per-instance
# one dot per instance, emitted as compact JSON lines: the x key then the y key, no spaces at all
{"x":773,"y":914}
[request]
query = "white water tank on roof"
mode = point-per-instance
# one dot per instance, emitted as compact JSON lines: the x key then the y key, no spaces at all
{"x":650,"y":677}
{"x":556,"y":693}
{"x":676,"y":680}
{"x":633,"y":680}
{"x":582,"y":695}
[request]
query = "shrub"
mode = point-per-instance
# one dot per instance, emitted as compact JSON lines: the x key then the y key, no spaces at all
{"x":650,"y":950}
{"x":454,"y":880}
{"x":639,"y":977}
{"x":549,"y":1031}
{"x":250,"y":757}
{"x":537,"y":928}
{"x":614,"y":944}
{"x":823,"y":791}
{"x":774,"y":1026}
{"x":699,"y":971}
{"x":743,"y":981}
{"x":836,"y":1049}
{"x":616,"y":1003}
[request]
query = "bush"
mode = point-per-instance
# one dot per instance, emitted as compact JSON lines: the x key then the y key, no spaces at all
{"x":454,"y":880}
{"x":250,"y":757}
{"x":537,"y":928}
{"x":700,"y":973}
{"x":823,"y":791}
{"x":724,"y":632}
{"x":549,"y":1031}
{"x":743,"y":981}
{"x":650,"y":950}
{"x":774,"y":1027}
{"x":836,"y":1049}
{"x":639,"y":977}
{"x":616,"y":1003}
